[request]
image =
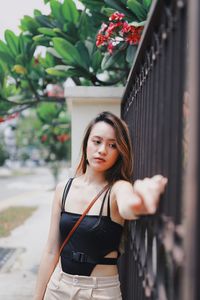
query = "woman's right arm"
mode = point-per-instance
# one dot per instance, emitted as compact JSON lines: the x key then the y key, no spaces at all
{"x":51,"y":250}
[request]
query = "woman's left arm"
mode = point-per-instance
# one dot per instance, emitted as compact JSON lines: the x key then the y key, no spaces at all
{"x":142,"y":198}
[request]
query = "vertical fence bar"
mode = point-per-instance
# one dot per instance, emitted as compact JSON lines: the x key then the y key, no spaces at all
{"x":153,"y":108}
{"x":192,"y":158}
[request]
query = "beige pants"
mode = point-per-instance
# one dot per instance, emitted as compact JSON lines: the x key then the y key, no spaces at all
{"x":63,"y":286}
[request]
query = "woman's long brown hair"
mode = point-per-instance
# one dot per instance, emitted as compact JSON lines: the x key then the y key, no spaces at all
{"x":123,"y":168}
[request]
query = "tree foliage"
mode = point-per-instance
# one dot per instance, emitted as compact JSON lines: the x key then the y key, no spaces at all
{"x":68,"y":37}
{"x":48,"y":131}
{"x":3,"y":152}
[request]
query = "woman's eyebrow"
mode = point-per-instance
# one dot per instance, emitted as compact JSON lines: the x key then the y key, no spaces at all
{"x":100,"y":137}
{"x":97,"y":136}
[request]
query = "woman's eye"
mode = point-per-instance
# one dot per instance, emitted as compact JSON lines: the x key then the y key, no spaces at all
{"x":96,"y":142}
{"x":113,"y":146}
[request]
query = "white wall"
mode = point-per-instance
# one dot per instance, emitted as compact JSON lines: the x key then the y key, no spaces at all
{"x":84,"y":103}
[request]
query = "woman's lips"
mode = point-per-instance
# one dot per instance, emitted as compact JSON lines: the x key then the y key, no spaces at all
{"x":99,"y":159}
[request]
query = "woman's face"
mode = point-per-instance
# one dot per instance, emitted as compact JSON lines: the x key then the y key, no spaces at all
{"x":102,"y":152}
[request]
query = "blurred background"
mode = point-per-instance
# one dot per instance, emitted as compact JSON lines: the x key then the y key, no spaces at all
{"x":61,"y":63}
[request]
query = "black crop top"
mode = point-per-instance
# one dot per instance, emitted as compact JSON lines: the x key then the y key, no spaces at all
{"x":95,"y":237}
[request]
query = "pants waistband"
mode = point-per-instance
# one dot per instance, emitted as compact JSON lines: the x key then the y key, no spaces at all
{"x":88,"y":281}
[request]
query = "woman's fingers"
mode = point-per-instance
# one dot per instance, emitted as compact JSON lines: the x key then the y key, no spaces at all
{"x":160,"y":179}
{"x":158,"y":183}
{"x":149,"y":189}
{"x":141,"y":187}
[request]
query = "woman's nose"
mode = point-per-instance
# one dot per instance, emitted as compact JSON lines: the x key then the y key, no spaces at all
{"x":102,"y":149}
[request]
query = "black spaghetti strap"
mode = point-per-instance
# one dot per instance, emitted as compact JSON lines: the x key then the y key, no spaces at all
{"x":108,"y":204}
{"x":65,"y":192}
{"x":104,"y":198}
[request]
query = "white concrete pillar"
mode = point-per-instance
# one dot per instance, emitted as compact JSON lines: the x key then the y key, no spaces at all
{"x":84,"y":103}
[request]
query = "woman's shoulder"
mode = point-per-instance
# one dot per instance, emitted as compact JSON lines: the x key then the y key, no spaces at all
{"x":61,"y":185}
{"x":59,"y":190}
{"x":121,"y":183}
{"x":119,"y":187}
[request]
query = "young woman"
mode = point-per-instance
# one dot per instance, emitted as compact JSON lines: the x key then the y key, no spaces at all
{"x":87,"y":267}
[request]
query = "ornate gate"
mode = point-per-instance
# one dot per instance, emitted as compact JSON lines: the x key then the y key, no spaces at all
{"x":159,"y":99}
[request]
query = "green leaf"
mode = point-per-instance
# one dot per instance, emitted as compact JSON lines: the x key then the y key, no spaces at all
{"x":137,"y":8}
{"x":76,"y":73}
{"x":71,"y":32}
{"x":49,"y":60}
{"x":26,"y":47}
{"x":57,"y":30}
{"x":69,"y":11}
{"x":90,"y":46}
{"x":83,"y":51}
{"x":147,"y":4}
{"x":40,"y":38}
{"x":12,"y":41}
{"x":47,"y":31}
{"x":4,"y":48}
{"x":66,"y":71}
{"x":119,"y":7}
{"x":2,"y":77}
{"x":93,"y":4}
{"x":84,"y":27}
{"x":46,"y":1}
{"x":7,"y":58}
{"x":20,"y":59}
{"x":22,"y":45}
{"x":107,"y":11}
{"x":29,"y":24}
{"x":53,"y":52}
{"x":59,"y":70}
{"x":56,"y":10}
{"x":110,"y":60}
{"x":138,"y":24}
{"x":130,"y":53}
{"x":37,"y":12}
{"x":55,"y":72}
{"x":96,"y":60}
{"x":44,"y":21}
{"x":68,"y":52}
{"x":61,"y":67}
{"x":48,"y":111}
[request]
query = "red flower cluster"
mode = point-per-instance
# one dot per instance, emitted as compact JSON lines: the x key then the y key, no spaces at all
{"x":9,"y":117}
{"x":63,"y":137}
{"x":60,"y":137}
{"x":44,"y":138}
{"x":117,"y":31}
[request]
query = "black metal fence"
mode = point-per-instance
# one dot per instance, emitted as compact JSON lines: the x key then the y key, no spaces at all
{"x":155,"y":107}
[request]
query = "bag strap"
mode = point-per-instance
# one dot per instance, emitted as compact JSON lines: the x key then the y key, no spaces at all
{"x":81,"y":218}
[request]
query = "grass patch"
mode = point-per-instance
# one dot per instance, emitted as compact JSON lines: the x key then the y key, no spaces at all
{"x":12,"y":217}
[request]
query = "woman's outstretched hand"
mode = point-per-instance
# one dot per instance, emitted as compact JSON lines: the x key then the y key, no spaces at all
{"x":148,"y":191}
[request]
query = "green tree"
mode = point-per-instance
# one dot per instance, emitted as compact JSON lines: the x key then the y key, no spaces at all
{"x":3,"y":153}
{"x":46,"y":129}
{"x":27,"y":139}
{"x":68,"y":35}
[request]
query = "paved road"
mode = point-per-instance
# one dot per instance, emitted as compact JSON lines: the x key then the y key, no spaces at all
{"x":18,"y":275}
{"x":30,"y":180}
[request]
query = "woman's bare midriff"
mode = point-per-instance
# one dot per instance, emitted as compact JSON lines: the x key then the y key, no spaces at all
{"x":105,"y":270}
